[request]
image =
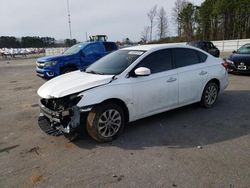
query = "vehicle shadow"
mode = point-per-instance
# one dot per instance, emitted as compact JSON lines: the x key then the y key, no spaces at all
{"x":186,"y":127}
{"x":240,"y":74}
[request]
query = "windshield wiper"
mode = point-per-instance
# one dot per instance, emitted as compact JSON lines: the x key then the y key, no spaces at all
{"x":93,"y":72}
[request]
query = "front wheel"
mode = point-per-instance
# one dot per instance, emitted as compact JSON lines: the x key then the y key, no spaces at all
{"x":210,"y":95}
{"x":105,"y":122}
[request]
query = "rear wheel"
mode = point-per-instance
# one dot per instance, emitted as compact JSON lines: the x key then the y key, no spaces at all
{"x":210,"y":95}
{"x":105,"y":122}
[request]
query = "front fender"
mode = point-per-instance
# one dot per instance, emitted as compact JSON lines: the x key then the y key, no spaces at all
{"x":100,"y":94}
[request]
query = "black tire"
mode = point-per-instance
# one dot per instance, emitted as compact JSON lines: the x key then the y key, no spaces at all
{"x":67,"y":70}
{"x":72,"y":136}
{"x":98,"y":125}
{"x":209,"y":95}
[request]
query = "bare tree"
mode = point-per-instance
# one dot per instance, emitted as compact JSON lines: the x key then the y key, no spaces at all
{"x":162,"y":23}
{"x":145,"y":34}
{"x":151,"y":15}
{"x":179,"y":5}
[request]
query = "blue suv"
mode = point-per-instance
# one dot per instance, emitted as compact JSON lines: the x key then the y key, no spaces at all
{"x":77,"y":57}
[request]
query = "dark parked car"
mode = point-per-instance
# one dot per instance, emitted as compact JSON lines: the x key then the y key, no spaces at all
{"x":206,"y":46}
{"x":240,"y":59}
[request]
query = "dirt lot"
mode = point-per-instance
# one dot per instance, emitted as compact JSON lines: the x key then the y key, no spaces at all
{"x":160,"y":151}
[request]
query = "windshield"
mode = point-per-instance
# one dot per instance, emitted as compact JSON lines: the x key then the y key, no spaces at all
{"x":245,"y":49}
{"x":74,"y":49}
{"x":114,"y":63}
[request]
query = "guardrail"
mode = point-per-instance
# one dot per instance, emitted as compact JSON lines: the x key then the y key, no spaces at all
{"x":54,"y":51}
{"x":230,"y":45}
{"x":227,"y":45}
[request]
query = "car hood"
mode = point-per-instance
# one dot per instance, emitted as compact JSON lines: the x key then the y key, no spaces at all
{"x":71,"y":83}
{"x":240,"y":58}
{"x":54,"y":58}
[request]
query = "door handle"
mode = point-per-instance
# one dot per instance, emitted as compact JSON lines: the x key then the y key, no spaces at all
{"x":203,"y":73}
{"x":171,"y":79}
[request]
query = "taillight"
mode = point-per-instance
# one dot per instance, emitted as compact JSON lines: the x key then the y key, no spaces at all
{"x":226,"y":65}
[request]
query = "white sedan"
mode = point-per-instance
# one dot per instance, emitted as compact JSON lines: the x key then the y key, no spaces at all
{"x":127,"y":85}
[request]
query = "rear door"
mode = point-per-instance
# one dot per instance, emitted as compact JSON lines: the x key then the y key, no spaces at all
{"x":160,"y":89}
{"x":192,"y":73}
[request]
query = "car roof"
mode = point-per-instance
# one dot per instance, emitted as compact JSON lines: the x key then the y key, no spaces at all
{"x":151,"y":47}
{"x":247,"y":44}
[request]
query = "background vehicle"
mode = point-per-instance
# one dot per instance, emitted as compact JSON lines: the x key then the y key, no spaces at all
{"x":102,"y":38}
{"x":77,"y":57}
{"x":240,"y":60}
{"x":206,"y":46}
{"x":130,"y":84}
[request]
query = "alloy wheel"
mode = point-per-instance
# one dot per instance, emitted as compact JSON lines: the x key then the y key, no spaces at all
{"x":109,"y":123}
{"x":211,"y":94}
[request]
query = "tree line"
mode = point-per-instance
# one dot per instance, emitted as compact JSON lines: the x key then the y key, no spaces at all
{"x":212,"y":20}
{"x":156,"y":18}
{"x":34,"y":42}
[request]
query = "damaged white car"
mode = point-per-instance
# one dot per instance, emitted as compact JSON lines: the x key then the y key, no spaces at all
{"x":128,"y":85}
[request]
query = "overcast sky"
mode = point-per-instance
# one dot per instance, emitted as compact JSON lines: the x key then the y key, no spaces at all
{"x":116,"y":18}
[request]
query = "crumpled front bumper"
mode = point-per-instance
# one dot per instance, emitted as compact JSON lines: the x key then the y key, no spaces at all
{"x":51,"y":121}
{"x":56,"y":123}
{"x":45,"y":125}
{"x":64,"y":120}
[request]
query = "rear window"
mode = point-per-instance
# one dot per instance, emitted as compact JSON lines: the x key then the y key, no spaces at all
{"x":110,"y":46}
{"x":185,"y":57}
{"x":202,"y":56}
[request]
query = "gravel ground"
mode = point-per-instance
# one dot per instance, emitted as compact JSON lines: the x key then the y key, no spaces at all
{"x":187,"y":147}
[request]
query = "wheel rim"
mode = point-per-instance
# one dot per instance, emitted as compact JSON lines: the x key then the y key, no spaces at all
{"x":211,"y":95}
{"x":109,"y":123}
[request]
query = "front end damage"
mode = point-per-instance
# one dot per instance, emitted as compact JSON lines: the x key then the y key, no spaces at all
{"x":61,"y":115}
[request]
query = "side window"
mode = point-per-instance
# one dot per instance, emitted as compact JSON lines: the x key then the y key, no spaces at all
{"x":211,"y":45}
{"x":208,"y":46}
{"x":109,"y":46}
{"x":185,"y":57}
{"x":92,"y":49}
{"x":157,"y":61}
{"x":203,"y":46}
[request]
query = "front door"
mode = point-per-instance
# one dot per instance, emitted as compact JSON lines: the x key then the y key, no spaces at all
{"x":157,"y":91}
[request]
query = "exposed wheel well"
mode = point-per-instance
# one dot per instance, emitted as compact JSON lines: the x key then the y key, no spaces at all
{"x":122,"y":104}
{"x":216,"y":81}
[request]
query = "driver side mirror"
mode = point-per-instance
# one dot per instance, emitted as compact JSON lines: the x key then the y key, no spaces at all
{"x":142,"y":71}
{"x":234,"y":52}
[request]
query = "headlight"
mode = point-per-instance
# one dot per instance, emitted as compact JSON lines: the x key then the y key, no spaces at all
{"x":50,"y":63}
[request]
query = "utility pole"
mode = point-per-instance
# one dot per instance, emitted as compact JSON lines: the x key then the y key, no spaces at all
{"x":70,"y":34}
